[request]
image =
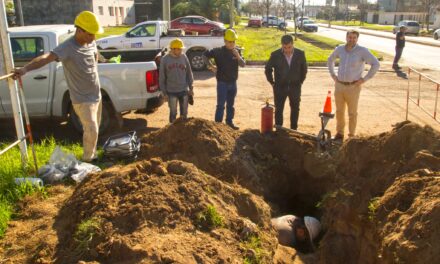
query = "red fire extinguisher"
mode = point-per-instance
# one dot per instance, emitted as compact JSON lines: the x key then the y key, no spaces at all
{"x":267,"y":118}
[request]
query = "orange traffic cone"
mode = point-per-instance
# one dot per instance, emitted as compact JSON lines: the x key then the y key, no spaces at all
{"x":328,"y":103}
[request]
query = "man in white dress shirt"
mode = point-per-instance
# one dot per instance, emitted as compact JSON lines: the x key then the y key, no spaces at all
{"x":349,"y":80}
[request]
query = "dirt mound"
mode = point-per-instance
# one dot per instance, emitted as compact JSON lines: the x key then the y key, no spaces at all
{"x":408,"y":219}
{"x":366,"y":169}
{"x":164,"y":213}
{"x":265,"y":164}
{"x":378,"y":200}
{"x":203,"y":143}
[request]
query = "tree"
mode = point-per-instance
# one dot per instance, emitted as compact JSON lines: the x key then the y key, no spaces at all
{"x":267,"y":4}
{"x":207,"y":8}
{"x":427,"y":6}
{"x":9,"y":7}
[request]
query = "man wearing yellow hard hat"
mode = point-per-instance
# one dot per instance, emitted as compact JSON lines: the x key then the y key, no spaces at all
{"x":227,"y":59}
{"x":176,"y":79}
{"x":78,"y":55}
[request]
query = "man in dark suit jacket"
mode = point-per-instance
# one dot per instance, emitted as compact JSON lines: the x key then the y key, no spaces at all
{"x":290,"y":68}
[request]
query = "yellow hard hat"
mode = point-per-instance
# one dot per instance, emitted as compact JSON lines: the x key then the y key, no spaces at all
{"x":89,"y":22}
{"x":176,"y":44}
{"x":230,"y":35}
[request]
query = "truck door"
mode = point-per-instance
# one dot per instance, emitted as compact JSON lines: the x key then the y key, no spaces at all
{"x":36,"y":82}
{"x":142,"y":37}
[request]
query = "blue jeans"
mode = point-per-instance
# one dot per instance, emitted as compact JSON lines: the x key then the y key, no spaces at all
{"x":226,"y":92}
{"x":182,"y":98}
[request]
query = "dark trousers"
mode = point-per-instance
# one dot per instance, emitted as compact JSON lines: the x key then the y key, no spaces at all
{"x":399,"y":51}
{"x":294,"y":94}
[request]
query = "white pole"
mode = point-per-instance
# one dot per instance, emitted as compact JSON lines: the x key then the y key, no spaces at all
{"x":7,"y":65}
{"x":166,"y":10}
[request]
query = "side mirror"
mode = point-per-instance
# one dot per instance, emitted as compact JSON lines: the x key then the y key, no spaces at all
{"x":128,"y":35}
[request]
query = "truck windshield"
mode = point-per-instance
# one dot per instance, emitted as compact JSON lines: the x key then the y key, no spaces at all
{"x":145,"y":30}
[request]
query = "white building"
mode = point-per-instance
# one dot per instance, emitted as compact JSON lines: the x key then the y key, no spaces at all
{"x":110,"y":12}
{"x":114,"y":13}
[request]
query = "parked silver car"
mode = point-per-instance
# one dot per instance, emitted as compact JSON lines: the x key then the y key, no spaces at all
{"x":412,"y":27}
{"x":436,"y":34}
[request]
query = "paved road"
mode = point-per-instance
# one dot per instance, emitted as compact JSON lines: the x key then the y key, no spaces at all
{"x":417,"y":55}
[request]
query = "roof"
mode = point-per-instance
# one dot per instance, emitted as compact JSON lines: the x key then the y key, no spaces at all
{"x":41,"y":28}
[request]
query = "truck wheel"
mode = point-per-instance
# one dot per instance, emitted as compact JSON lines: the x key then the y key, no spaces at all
{"x":106,"y":118}
{"x":264,"y":24}
{"x":435,"y":36}
{"x":196,"y":60}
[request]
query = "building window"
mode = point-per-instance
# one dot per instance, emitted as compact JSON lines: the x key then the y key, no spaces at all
{"x":128,"y":12}
{"x":101,"y":10}
{"x":111,"y":11}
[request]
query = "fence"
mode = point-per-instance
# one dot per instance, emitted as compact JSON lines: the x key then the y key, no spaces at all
{"x":423,"y":94}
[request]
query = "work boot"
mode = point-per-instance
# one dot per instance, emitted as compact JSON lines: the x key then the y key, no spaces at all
{"x":396,"y":67}
{"x":231,"y":125}
{"x":338,"y":137}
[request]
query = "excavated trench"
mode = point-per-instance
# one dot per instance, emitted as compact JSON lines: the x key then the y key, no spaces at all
{"x":344,"y":187}
{"x":284,"y":168}
{"x":378,"y":198}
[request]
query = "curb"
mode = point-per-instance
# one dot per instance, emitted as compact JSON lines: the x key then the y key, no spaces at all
{"x":380,"y":35}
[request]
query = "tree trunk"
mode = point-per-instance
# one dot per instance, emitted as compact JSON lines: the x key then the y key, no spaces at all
{"x":231,"y":14}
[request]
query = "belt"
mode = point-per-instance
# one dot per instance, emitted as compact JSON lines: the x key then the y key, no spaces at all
{"x":347,"y":83}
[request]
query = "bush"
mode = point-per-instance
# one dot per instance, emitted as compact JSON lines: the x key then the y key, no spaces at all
{"x":237,"y":20}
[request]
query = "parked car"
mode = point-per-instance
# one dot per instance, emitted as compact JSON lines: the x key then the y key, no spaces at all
{"x":148,"y":38}
{"x":255,"y":22}
{"x":124,"y":86}
{"x":436,"y":34}
{"x":273,"y":21}
{"x":413,"y":27}
{"x":198,"y":24}
{"x":299,"y":20}
{"x":309,"y":26}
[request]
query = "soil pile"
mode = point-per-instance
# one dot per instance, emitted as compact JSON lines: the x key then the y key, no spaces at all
{"x":283,"y":166}
{"x":408,"y":219}
{"x":204,"y":193}
{"x":361,"y":212}
{"x":164,"y":212}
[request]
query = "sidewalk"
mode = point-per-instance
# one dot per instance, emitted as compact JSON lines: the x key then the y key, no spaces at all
{"x":413,"y":39}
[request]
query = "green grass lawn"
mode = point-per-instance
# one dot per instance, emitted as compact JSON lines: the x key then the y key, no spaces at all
{"x":357,"y":23}
{"x":11,"y":168}
{"x":258,"y":43}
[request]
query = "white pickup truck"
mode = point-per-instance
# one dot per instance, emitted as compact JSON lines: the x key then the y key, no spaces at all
{"x":146,"y":39}
{"x":124,"y":86}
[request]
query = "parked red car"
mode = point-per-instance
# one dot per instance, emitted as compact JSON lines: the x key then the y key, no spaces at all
{"x":198,"y":24}
{"x":255,"y":22}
